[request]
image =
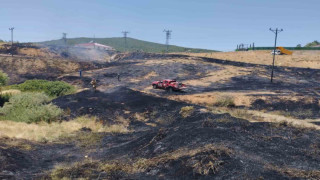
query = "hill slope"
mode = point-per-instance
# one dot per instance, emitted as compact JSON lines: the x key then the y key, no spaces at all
{"x":133,"y":45}
{"x":313,"y":44}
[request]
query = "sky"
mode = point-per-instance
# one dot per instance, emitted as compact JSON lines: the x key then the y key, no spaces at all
{"x":209,"y":24}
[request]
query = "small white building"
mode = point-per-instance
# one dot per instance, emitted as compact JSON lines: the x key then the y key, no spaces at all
{"x":94,"y":46}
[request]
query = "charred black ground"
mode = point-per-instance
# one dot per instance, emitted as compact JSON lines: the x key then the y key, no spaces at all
{"x":162,"y":143}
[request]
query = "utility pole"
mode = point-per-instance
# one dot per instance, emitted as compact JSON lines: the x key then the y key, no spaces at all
{"x":11,"y":29}
{"x":94,"y":41}
{"x":125,"y":35}
{"x":275,"y":31}
{"x":168,"y":36}
{"x":64,"y":38}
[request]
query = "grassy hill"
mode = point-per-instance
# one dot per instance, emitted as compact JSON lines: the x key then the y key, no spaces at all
{"x":132,"y":44}
{"x":313,"y":44}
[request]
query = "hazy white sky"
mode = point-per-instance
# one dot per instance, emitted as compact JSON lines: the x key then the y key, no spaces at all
{"x":209,"y":24}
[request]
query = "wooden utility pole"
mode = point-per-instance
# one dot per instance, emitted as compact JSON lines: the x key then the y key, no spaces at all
{"x":276,"y":31}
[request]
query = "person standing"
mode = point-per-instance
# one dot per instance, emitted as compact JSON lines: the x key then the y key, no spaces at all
{"x":94,"y":84}
{"x":118,"y":75}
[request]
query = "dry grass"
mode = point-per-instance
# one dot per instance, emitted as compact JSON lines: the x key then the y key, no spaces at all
{"x":294,"y":172}
{"x":141,"y":117}
{"x":17,"y":144}
{"x":225,"y":101}
{"x":224,"y":119}
{"x":10,"y":92}
{"x":83,"y":139}
{"x":150,"y":75}
{"x":218,"y":76}
{"x":298,"y":59}
{"x":186,"y":111}
{"x":53,"y":131}
{"x":210,"y":98}
{"x":297,"y":113}
{"x":241,"y":113}
{"x":166,"y":119}
{"x":201,"y":164}
{"x":278,"y":119}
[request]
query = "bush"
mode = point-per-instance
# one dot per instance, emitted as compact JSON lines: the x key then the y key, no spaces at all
{"x":4,"y":98}
{"x":3,"y":78}
{"x":30,"y":107}
{"x":51,"y":88}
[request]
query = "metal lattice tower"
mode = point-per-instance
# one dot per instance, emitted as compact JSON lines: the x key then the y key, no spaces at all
{"x":168,"y":36}
{"x":125,"y":35}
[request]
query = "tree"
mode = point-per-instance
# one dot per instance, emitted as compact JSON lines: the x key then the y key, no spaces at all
{"x":299,"y":46}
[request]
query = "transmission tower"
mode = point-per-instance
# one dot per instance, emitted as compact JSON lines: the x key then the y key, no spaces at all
{"x":125,"y":35}
{"x":168,"y":36}
{"x":64,"y":38}
{"x":11,"y":29}
{"x":276,"y":31}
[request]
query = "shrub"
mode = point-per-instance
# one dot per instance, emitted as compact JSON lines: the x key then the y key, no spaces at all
{"x":4,"y":98}
{"x":3,"y":79}
{"x":51,"y":88}
{"x":30,"y":107}
{"x":186,"y":111}
{"x":225,"y":101}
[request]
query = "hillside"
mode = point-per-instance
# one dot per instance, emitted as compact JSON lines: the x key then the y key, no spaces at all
{"x":230,"y":123}
{"x":313,"y":44}
{"x":133,"y":45}
{"x":299,"y":58}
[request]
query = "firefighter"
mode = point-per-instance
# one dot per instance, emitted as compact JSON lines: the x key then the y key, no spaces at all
{"x":118,"y":75}
{"x":94,"y":84}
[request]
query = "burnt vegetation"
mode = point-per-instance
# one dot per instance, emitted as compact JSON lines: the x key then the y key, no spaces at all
{"x":131,"y":132}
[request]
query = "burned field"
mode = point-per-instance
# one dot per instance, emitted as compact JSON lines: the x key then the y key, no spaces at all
{"x":206,"y":132}
{"x":166,"y":140}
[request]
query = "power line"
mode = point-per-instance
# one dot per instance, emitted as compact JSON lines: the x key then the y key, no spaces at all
{"x":275,"y":31}
{"x":168,"y":36}
{"x":125,"y":35}
{"x":11,"y":29}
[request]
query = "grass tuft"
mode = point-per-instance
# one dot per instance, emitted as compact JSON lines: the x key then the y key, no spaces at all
{"x":225,"y":101}
{"x":186,"y":111}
